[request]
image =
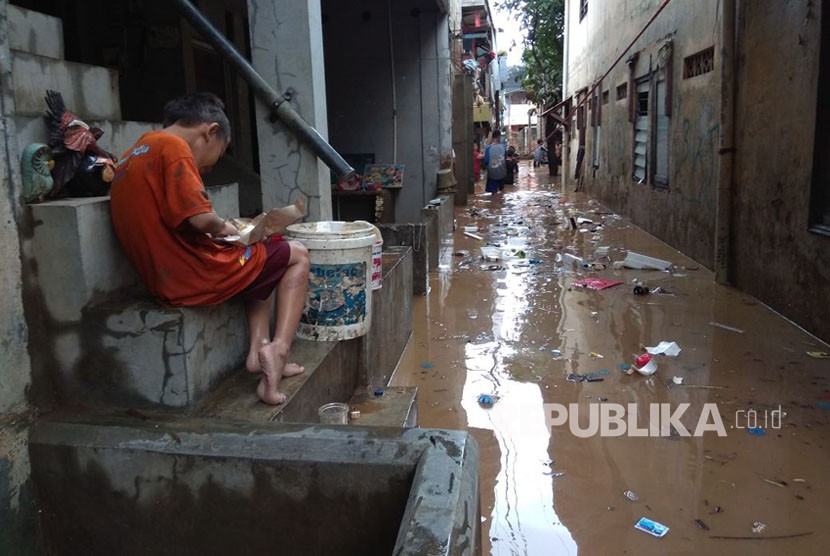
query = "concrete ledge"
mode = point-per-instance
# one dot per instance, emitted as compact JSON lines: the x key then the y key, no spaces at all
{"x":203,"y":487}
{"x":416,"y":237}
{"x":438,"y":215}
{"x":35,"y":32}
{"x":329,"y":377}
{"x":397,"y":407}
{"x":391,"y":318}
{"x":137,"y":354}
{"x":89,"y":92}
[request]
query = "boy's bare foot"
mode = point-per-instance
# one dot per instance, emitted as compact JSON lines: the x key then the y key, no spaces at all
{"x":272,"y":363}
{"x":252,"y":364}
{"x":292,"y":369}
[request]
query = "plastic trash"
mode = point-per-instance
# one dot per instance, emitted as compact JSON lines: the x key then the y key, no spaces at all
{"x":646,"y":365}
{"x":630,"y":495}
{"x":677,"y":380}
{"x":378,"y":392}
{"x":665,"y":348}
{"x":427,"y":365}
{"x":640,"y":290}
{"x":758,"y":527}
{"x":638,"y":261}
{"x":487,"y":400}
{"x":756,"y":431}
{"x":651,"y":527}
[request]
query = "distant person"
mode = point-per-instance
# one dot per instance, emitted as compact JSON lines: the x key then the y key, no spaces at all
{"x":511,"y":166}
{"x":494,"y":162}
{"x":539,"y":153}
{"x":477,"y":156}
{"x":165,"y":221}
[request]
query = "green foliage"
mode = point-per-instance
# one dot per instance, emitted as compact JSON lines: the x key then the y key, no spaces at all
{"x":544,"y":24}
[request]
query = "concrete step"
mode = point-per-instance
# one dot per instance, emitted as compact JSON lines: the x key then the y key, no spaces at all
{"x":118,"y":136}
{"x":329,"y":377}
{"x":35,"y":32}
{"x":90,"y":92}
{"x":74,"y":247}
{"x":133,"y":353}
{"x":397,"y":406}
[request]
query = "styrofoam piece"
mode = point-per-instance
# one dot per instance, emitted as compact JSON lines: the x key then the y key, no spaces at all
{"x":666,"y":348}
{"x":474,"y":236}
{"x":570,"y":260}
{"x":648,"y":369}
{"x":638,"y":261}
{"x":490,"y":253}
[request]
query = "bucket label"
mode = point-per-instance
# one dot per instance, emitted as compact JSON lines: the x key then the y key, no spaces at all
{"x":336,"y":295}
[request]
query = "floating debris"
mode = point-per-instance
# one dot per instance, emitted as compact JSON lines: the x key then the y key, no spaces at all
{"x":631,"y":495}
{"x":758,"y":527}
{"x":819,"y":354}
{"x":727,"y":327}
{"x":651,"y":527}
{"x":701,"y":525}
{"x":487,"y":400}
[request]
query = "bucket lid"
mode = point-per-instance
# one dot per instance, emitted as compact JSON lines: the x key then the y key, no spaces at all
{"x":331,"y":230}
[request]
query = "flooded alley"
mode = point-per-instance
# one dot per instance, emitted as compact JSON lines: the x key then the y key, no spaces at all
{"x":518,"y":329}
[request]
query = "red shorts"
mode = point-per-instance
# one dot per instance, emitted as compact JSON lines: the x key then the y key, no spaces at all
{"x":277,"y":254}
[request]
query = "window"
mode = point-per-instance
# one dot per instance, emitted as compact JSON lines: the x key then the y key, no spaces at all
{"x":583,"y":9}
{"x":699,"y":63}
{"x":622,"y":91}
{"x":660,"y":178}
{"x":605,"y":97}
{"x":820,"y":195}
{"x":641,"y":121}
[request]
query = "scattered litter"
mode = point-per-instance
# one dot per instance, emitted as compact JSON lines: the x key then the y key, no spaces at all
{"x":378,"y":392}
{"x":701,"y":525}
{"x":595,"y":283}
{"x":766,"y":538}
{"x":665,"y":348}
{"x":780,"y":484}
{"x":582,"y":220}
{"x":568,"y":259}
{"x":490,"y":253}
{"x":472,"y":229}
{"x":427,"y":365}
{"x":758,"y":527}
{"x":461,"y":253}
{"x":651,"y":527}
{"x":799,"y":480}
{"x":819,"y":354}
{"x":727,"y":327}
{"x":354,"y":415}
{"x":556,"y":352}
{"x":677,"y":379}
{"x":474,"y":236}
{"x":638,"y":261}
{"x":602,"y":399}
{"x":645,"y":365}
{"x":631,"y":495}
{"x":625,"y":367}
{"x":534,"y":261}
{"x":756,"y":431}
{"x":602,"y":251}
{"x":595,"y":355}
{"x":596,"y":376}
{"x":641,"y":290}
{"x":716,"y":510}
{"x":553,"y":474}
{"x":487,"y":400}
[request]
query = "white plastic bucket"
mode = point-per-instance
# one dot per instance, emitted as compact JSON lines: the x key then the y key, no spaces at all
{"x":339,"y":303}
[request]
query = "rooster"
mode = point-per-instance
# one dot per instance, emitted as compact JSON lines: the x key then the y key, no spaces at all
{"x":82,"y":168}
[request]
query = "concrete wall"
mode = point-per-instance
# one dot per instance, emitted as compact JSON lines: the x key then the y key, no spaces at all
{"x":17,"y":514}
{"x":683,"y":214}
{"x":774,"y":255}
{"x":360,"y":89}
{"x":287,"y":51}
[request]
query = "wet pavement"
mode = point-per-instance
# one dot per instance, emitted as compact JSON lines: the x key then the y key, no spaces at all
{"x":516,"y":328}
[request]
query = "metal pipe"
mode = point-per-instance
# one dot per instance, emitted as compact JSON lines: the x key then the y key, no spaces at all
{"x":280,"y":109}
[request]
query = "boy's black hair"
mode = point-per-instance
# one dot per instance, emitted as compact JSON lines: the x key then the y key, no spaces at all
{"x":496,"y":133}
{"x":197,"y":108}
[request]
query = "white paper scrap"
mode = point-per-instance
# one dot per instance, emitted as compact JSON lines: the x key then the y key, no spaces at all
{"x":666,"y":348}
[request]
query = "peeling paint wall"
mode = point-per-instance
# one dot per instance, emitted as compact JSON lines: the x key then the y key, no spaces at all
{"x":683,"y":213}
{"x":775,"y":256}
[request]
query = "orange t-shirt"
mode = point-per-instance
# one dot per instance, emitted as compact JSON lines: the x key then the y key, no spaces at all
{"x":156,"y":189}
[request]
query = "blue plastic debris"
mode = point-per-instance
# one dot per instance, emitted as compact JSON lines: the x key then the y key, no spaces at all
{"x":486,"y":400}
{"x":823,"y":405}
{"x":556,"y":352}
{"x":756,"y":431}
{"x":427,"y":365}
{"x":624,"y":367}
{"x":379,"y":392}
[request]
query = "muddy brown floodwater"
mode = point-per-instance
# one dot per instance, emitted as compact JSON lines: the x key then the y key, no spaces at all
{"x":516,"y":328}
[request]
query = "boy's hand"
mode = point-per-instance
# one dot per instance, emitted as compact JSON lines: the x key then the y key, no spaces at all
{"x":227,"y":230}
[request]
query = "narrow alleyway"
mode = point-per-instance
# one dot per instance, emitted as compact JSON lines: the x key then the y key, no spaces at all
{"x":517,"y":328}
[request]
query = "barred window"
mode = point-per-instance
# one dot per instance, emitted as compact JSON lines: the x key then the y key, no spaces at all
{"x":699,"y":63}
